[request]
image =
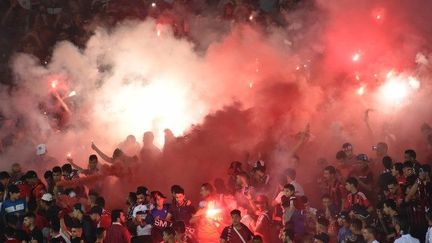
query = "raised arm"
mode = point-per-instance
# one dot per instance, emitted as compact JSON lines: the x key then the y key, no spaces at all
{"x":102,"y":154}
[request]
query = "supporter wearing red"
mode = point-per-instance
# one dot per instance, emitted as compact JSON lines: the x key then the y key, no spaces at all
{"x":34,"y":234}
{"x":263,"y":225}
{"x":159,"y":214}
{"x":393,"y":192}
{"x":181,"y":210}
{"x":386,"y":175}
{"x":391,"y":213}
{"x":106,"y":214}
{"x":236,"y":232}
{"x":333,"y":187}
{"x":244,"y":190}
{"x":397,"y":172}
{"x":354,"y":196}
{"x":415,"y":205}
{"x":37,"y":188}
{"x":425,"y":186}
{"x":209,"y":216}
{"x":117,"y":232}
{"x":13,"y":206}
{"x":362,"y":172}
{"x":99,"y":219}
{"x":70,"y":174}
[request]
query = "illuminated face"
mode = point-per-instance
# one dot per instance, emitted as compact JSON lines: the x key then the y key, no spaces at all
{"x":179,"y":197}
{"x":235,"y":219}
{"x":386,"y":209}
{"x":75,"y":232}
{"x":204,"y":192}
{"x":57,"y":176}
{"x":27,"y":222}
{"x":159,"y":201}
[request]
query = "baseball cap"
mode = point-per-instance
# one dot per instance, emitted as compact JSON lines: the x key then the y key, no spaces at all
{"x":41,"y":149}
{"x":322,"y":237}
{"x":47,"y":197}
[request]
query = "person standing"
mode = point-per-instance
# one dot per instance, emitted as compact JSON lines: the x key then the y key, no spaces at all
{"x":117,"y":232}
{"x":236,"y":232}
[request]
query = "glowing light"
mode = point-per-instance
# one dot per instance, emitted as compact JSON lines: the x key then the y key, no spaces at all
{"x":212,"y":212}
{"x":72,"y":93}
{"x":356,"y":57}
{"x":153,"y":5}
{"x":251,"y":17}
{"x":413,"y":82}
{"x":298,"y":68}
{"x":69,"y":155}
{"x":394,"y":91}
{"x":357,"y":77}
{"x":251,"y":84}
{"x":361,"y":90}
{"x":378,"y":17}
{"x":54,"y":84}
{"x":163,"y":103}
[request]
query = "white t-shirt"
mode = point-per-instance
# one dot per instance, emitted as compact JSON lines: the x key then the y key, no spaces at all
{"x":429,"y":235}
{"x":407,"y":239}
{"x":146,"y":229}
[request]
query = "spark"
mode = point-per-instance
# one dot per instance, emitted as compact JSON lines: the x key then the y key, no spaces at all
{"x":69,"y":155}
{"x":153,"y":5}
{"x":54,"y":84}
{"x":251,"y":17}
{"x":251,"y":84}
{"x":394,"y":91}
{"x":361,"y":90}
{"x":212,"y":212}
{"x":356,"y":57}
{"x":72,"y":93}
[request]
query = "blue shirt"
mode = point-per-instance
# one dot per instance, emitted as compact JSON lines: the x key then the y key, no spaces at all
{"x":17,"y":207}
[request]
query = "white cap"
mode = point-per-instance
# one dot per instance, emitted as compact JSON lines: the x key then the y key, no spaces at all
{"x":41,"y":149}
{"x":47,"y":197}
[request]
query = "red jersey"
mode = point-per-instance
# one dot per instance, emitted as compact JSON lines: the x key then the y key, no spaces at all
{"x":356,"y":198}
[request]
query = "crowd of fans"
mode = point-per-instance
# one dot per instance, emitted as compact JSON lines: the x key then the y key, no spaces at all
{"x":362,"y":200}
